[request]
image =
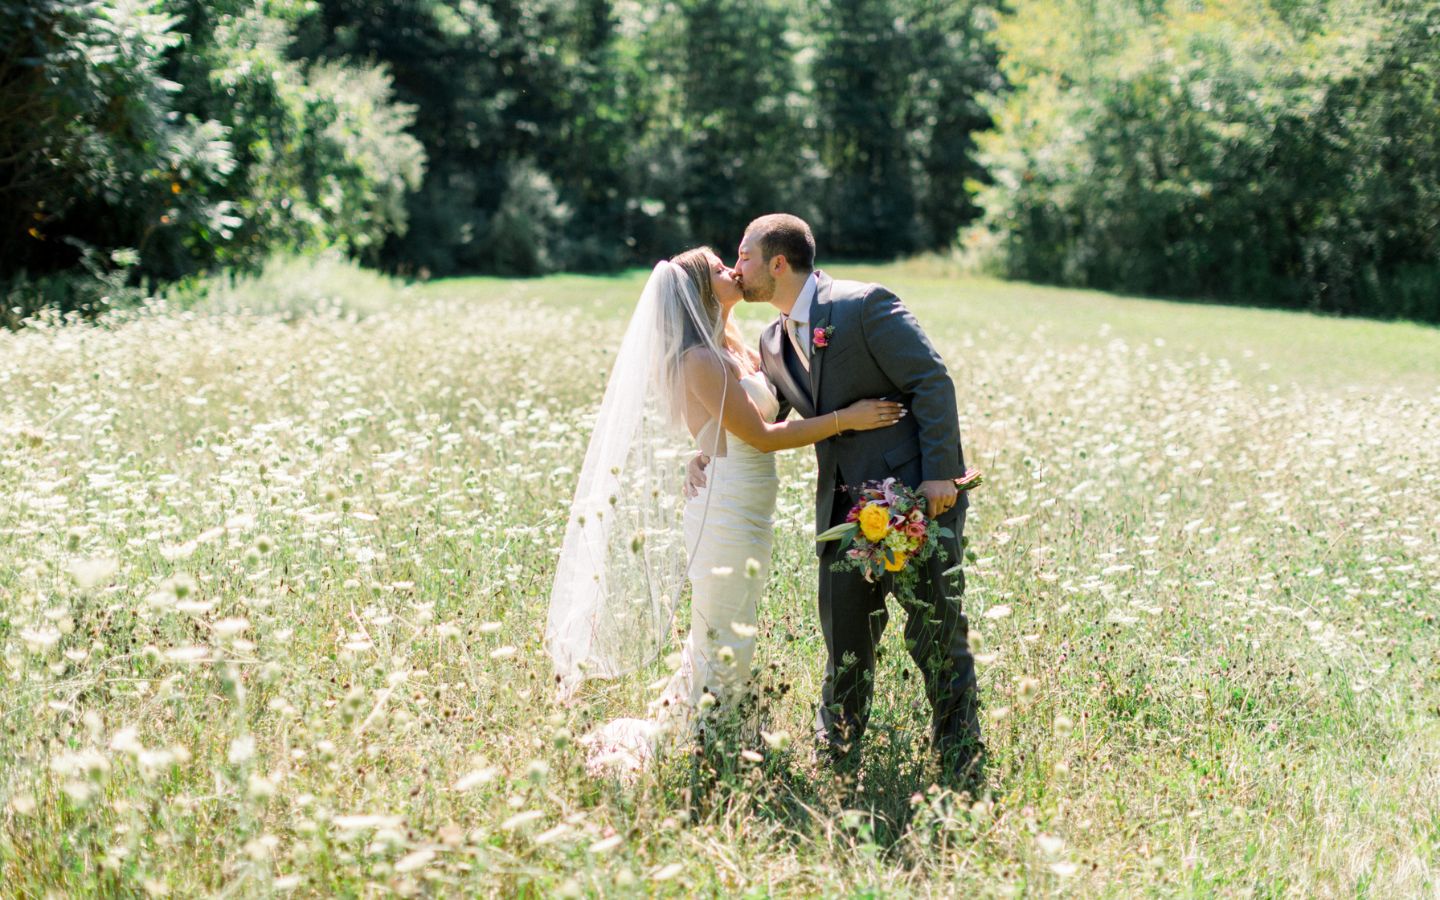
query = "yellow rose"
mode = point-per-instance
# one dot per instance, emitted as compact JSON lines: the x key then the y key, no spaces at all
{"x":896,"y":564}
{"x":875,"y":522}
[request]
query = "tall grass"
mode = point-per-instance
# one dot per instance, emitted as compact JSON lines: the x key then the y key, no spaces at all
{"x":273,"y":584}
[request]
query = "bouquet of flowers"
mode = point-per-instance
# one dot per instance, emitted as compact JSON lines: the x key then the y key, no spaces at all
{"x":888,"y":531}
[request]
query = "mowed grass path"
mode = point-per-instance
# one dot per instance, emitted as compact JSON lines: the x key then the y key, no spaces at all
{"x":273,"y":585}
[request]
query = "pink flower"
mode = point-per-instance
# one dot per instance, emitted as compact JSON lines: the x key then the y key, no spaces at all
{"x":888,"y":487}
{"x":915,"y":530}
{"x":820,"y":337}
{"x":970,"y":480}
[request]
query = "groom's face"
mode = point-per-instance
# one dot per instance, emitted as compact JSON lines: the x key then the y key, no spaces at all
{"x":756,"y":283}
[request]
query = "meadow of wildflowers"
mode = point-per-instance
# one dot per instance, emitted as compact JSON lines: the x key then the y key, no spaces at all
{"x":273,"y":580}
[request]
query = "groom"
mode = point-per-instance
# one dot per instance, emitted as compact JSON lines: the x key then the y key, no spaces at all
{"x":836,"y":342}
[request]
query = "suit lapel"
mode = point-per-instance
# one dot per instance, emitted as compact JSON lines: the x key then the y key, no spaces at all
{"x":774,"y":347}
{"x":819,"y":319}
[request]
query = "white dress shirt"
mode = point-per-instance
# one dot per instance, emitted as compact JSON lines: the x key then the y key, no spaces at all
{"x":797,"y":324}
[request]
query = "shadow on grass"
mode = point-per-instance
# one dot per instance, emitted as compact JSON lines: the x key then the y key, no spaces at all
{"x":729,"y":772}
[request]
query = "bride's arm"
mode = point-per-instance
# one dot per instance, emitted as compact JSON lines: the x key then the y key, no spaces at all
{"x":706,"y":378}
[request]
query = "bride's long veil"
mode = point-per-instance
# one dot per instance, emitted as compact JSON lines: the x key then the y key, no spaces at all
{"x":623,"y":562}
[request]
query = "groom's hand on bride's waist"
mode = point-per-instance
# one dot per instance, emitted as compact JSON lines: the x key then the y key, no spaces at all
{"x":940,"y":496}
{"x":695,"y":474}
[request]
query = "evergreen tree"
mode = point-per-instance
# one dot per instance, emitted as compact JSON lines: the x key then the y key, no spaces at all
{"x":953,"y":66}
{"x":860,"y":77}
{"x":747,"y":150}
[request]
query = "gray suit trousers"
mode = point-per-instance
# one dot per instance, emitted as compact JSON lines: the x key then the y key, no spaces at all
{"x":936,"y":634}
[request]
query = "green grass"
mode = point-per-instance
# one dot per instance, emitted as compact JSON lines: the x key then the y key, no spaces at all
{"x":1265,"y":345}
{"x":273,"y":583}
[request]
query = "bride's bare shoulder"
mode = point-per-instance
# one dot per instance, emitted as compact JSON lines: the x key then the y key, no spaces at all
{"x":699,"y":357}
{"x":700,"y":364}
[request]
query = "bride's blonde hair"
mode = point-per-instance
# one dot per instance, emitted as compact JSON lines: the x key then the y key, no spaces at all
{"x":696,"y":264}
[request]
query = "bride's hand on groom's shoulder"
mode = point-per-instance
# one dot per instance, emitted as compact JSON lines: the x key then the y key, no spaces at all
{"x":695,"y":474}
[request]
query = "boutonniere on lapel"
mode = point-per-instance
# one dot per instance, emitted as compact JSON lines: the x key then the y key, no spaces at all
{"x":821,"y":337}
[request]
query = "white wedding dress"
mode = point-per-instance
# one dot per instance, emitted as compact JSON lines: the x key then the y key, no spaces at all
{"x":729,"y":525}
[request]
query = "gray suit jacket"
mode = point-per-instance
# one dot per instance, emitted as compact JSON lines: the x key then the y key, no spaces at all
{"x":876,"y":350}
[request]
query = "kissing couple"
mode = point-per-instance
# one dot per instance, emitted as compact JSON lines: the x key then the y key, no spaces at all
{"x":874,"y":398}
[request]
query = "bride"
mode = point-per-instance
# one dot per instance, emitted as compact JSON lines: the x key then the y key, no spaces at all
{"x":683,"y":381}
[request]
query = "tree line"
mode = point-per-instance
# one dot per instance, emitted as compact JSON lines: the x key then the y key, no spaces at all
{"x":1266,"y":151}
{"x":1278,"y":153}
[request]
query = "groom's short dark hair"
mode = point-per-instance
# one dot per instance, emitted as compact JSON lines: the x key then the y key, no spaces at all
{"x":781,"y":234}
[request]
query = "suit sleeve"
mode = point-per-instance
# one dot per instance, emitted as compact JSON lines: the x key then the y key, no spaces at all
{"x":908,"y":359}
{"x":785,"y":406}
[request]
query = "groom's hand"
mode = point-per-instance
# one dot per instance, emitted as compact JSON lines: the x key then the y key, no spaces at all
{"x":939,"y":496}
{"x":695,"y":474}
